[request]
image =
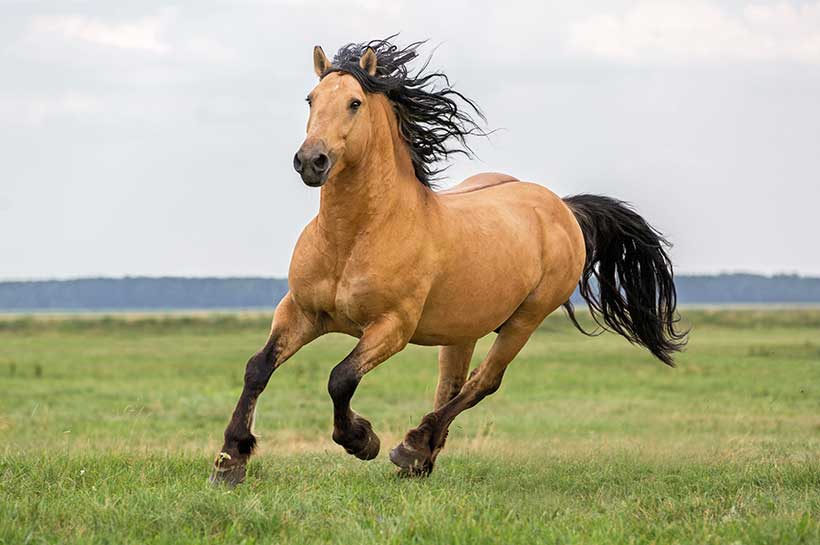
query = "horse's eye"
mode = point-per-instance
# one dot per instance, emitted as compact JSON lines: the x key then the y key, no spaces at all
{"x":354,"y":104}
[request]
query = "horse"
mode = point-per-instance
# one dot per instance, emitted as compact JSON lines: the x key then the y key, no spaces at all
{"x":391,"y":261}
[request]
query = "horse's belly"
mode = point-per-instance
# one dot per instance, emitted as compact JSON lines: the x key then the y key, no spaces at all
{"x":466,"y":307}
{"x":456,"y":329}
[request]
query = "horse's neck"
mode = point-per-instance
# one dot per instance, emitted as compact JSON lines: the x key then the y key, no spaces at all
{"x":359,"y":203}
{"x":377,"y":191}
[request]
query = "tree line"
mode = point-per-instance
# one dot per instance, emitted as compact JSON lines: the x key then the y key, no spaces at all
{"x":140,"y":293}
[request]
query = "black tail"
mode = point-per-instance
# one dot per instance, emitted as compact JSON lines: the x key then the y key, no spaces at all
{"x":636,"y":289}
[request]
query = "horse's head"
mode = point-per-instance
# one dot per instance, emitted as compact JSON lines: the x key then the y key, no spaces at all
{"x":339,"y":123}
{"x":368,"y":99}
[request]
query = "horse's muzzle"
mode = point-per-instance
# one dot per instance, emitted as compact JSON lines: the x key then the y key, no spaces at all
{"x":313,"y":164}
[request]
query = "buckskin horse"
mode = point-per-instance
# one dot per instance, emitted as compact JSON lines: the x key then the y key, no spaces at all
{"x":390,"y":261}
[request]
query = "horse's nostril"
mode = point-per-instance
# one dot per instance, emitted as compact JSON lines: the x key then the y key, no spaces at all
{"x":297,"y":163}
{"x":321,"y":162}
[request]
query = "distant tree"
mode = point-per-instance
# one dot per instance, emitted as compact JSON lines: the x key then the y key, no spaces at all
{"x":139,"y":293}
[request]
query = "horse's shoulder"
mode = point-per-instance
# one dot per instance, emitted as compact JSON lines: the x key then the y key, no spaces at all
{"x":312,"y":257}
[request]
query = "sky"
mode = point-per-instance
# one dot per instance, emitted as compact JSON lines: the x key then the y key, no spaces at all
{"x":157,"y":138}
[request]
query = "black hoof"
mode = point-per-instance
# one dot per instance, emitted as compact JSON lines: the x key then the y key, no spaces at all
{"x":411,"y":462}
{"x":370,"y":450}
{"x":227,"y":472}
{"x":360,"y":440}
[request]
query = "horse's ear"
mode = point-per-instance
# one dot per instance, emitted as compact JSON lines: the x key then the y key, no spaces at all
{"x":369,"y":61}
{"x":320,"y":62}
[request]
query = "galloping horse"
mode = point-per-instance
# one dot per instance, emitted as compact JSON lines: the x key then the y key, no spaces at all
{"x":390,"y":261}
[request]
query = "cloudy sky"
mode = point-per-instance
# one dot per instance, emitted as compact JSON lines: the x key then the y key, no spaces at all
{"x":157,"y":140}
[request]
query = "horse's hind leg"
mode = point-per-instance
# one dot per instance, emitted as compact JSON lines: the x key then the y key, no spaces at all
{"x":416,"y":454}
{"x":453,"y":364}
{"x":291,"y":329}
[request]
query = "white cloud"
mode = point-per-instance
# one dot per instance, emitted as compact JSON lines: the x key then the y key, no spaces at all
{"x":161,"y":34}
{"x":37,"y":110}
{"x":701,"y":31}
{"x":142,"y":34}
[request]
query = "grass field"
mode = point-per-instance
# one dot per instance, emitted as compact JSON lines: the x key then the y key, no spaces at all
{"x":108,"y":427}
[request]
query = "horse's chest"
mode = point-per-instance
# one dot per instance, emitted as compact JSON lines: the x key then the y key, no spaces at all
{"x":354,"y":288}
{"x":360,"y":296}
{"x":354,"y":296}
{"x":314,"y":293}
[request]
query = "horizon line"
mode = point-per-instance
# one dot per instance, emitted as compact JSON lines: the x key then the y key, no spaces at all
{"x":262,"y":277}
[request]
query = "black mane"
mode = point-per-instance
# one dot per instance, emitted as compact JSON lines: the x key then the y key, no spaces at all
{"x":430,"y":117}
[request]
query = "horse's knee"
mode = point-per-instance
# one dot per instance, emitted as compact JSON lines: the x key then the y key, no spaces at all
{"x":342,"y":382}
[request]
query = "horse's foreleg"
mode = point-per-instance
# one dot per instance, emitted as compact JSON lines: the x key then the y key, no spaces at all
{"x":291,"y":329}
{"x":416,"y":454}
{"x":379,"y":341}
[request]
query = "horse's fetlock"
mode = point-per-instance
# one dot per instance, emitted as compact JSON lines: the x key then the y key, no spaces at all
{"x":246,"y":445}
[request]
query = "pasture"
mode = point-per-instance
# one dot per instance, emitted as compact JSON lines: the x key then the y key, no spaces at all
{"x":109,"y":425}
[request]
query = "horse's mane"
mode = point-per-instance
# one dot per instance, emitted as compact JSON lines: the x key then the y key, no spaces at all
{"x":432,"y":118}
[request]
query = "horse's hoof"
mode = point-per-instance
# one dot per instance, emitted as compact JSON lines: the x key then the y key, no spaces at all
{"x":370,"y":449}
{"x":364,"y":445}
{"x":411,"y":462}
{"x":227,"y":473}
{"x":229,"y":477}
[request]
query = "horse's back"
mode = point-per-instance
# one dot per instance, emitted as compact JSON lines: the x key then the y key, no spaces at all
{"x":501,"y":242}
{"x":496,"y":193}
{"x":479,"y":181}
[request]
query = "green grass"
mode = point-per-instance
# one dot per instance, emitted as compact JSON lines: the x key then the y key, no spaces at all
{"x":108,"y":427}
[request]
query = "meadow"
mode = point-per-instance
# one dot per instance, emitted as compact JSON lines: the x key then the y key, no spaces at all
{"x":109,"y":425}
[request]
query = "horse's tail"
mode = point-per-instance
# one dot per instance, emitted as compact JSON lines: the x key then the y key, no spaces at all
{"x":627,"y":257}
